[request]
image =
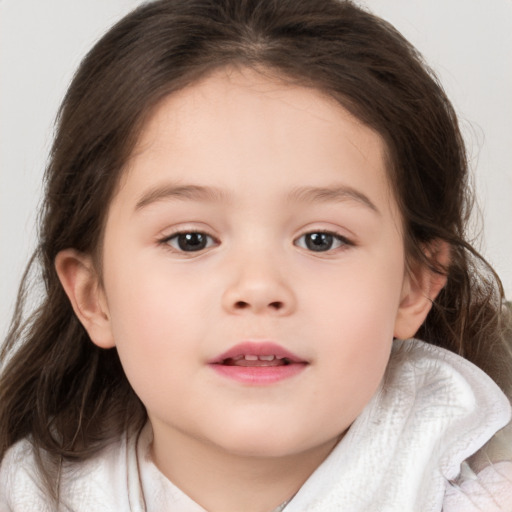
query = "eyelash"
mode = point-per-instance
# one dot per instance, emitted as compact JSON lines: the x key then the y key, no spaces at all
{"x":209,"y":241}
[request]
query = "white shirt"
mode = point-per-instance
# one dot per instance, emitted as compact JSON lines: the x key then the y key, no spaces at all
{"x":404,"y":453}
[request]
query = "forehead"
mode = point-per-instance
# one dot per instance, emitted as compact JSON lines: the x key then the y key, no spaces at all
{"x":238,"y":124}
{"x":250,"y":97}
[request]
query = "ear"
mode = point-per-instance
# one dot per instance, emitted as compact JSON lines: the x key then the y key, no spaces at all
{"x":83,"y":288}
{"x":421,"y":287}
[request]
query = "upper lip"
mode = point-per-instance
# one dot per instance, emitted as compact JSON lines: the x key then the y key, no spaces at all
{"x":261,"y":348}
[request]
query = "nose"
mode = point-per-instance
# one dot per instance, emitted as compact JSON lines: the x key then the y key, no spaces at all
{"x":258,"y":286}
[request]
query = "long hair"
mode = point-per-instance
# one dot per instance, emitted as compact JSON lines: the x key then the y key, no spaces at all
{"x":72,"y":398}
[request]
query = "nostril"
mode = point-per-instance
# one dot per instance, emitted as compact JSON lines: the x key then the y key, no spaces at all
{"x":276,"y":305}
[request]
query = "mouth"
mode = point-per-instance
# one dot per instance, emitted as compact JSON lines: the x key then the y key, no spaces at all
{"x":258,"y":363}
{"x":251,"y":353}
{"x":252,"y":360}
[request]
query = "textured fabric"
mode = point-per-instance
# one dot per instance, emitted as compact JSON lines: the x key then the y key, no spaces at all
{"x":404,"y":453}
{"x":488,"y":491}
{"x":433,"y":411}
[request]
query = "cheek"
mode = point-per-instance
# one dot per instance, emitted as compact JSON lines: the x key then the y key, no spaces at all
{"x":154,"y":323}
{"x":147,"y":294}
{"x":357,"y":340}
{"x":361,"y":298}
{"x":354,"y":317}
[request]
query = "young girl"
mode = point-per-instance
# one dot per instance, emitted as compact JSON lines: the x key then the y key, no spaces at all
{"x":251,"y":209}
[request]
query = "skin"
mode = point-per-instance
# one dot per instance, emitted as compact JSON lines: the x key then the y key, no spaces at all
{"x":262,"y":149}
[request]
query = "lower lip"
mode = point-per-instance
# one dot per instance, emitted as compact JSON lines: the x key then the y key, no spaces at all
{"x":259,"y":375}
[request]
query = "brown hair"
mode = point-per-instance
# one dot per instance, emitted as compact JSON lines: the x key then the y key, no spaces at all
{"x":71,"y":397}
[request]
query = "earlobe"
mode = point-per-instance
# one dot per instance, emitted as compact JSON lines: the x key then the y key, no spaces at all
{"x":421,"y":287}
{"x":80,"y":282}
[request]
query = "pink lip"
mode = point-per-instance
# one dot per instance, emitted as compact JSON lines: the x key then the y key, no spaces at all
{"x":263,"y":348}
{"x":258,"y":375}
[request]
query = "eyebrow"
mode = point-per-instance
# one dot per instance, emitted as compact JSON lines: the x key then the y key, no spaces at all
{"x":338,"y":193}
{"x":173,"y":191}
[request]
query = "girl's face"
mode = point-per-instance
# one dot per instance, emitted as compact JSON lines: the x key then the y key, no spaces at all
{"x":254,"y":219}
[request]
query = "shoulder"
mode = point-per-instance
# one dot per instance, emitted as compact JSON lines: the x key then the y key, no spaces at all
{"x":476,"y":456}
{"x":489,"y":490}
{"x":99,"y":483}
{"x":20,"y":485}
{"x":485,"y":480}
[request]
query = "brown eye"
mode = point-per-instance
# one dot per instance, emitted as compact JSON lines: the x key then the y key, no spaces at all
{"x":321,"y":241}
{"x":190,"y":242}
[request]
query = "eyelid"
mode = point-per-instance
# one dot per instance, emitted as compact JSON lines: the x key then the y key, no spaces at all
{"x":185,"y":227}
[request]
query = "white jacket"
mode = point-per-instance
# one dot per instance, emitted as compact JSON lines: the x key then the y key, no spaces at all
{"x":406,"y":452}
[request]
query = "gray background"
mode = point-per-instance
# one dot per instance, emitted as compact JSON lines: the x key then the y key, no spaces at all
{"x":467,"y":42}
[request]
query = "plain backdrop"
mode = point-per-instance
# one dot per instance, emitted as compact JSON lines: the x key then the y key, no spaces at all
{"x":467,"y":42}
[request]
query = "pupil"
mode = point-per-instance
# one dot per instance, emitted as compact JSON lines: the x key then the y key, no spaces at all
{"x":192,"y":241}
{"x":319,"y":241}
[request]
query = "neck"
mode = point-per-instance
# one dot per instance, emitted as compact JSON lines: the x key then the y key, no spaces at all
{"x":227,"y":482}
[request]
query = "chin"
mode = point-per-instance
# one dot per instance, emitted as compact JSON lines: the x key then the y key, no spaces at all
{"x":269,"y":442}
{"x":262,"y":450}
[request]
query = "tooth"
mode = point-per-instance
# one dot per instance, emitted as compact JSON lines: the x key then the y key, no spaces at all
{"x":267,"y":358}
{"x":250,"y":357}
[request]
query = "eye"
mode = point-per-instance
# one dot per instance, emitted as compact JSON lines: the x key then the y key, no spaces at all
{"x":189,"y":241}
{"x":321,"y":241}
